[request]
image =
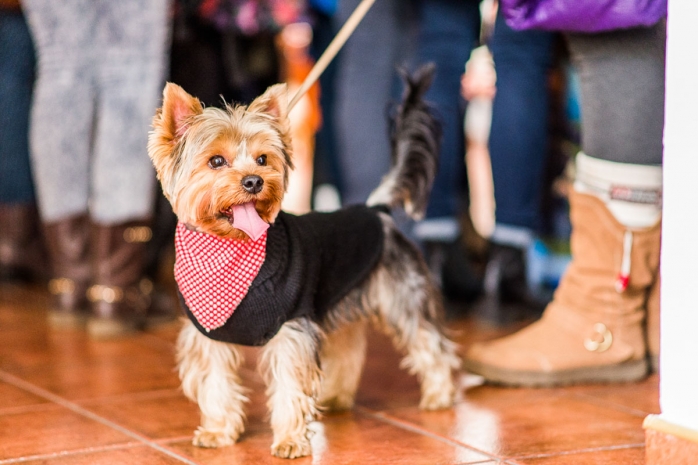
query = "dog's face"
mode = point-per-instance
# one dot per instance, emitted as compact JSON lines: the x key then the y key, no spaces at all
{"x":216,"y":166}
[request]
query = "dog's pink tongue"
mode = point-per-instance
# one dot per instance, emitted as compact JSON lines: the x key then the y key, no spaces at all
{"x":246,"y":218}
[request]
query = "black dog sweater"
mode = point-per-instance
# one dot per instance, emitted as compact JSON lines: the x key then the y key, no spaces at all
{"x":311,"y":262}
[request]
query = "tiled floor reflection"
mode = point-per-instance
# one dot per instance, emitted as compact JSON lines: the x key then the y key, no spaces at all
{"x":65,"y":399}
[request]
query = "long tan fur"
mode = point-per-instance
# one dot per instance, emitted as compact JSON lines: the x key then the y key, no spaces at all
{"x":308,"y":365}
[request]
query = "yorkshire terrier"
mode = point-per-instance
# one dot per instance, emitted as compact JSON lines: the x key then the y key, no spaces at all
{"x":303,"y":287}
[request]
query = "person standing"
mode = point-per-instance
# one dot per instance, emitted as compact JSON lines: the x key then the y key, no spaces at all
{"x":603,"y":322}
{"x":100,"y":69}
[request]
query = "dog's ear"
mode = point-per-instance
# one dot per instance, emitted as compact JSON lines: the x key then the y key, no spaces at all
{"x":169,"y":125}
{"x":174,"y":117}
{"x":273,"y":102}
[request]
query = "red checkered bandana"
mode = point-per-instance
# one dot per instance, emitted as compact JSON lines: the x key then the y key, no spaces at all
{"x":214,"y":274}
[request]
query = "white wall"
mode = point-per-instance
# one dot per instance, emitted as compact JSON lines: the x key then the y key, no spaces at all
{"x":679,"y":317}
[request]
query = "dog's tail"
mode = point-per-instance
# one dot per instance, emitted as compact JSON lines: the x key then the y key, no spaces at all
{"x":415,"y":140}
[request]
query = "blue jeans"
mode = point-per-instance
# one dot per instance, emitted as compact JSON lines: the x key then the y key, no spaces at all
{"x":365,"y":87}
{"x":448,"y":31}
{"x":16,"y":82}
{"x":519,"y":135}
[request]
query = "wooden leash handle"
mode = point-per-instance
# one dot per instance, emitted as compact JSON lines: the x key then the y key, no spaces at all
{"x":332,"y":50}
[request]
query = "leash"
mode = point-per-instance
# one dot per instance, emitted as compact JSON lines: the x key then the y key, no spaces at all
{"x":331,"y":51}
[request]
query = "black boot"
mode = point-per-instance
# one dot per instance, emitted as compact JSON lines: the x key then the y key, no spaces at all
{"x":22,"y":255}
{"x":509,"y":298}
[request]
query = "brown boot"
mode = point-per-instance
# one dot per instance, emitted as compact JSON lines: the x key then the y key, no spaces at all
{"x":593,"y":331}
{"x":119,"y":296}
{"x":20,"y":243}
{"x":68,"y":246}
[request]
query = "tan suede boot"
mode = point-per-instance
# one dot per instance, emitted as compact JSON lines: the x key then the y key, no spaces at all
{"x":593,"y":331}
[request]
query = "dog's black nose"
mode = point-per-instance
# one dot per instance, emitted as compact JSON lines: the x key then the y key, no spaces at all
{"x":252,"y":183}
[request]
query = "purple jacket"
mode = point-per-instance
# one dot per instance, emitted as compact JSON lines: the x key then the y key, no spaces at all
{"x":582,"y":15}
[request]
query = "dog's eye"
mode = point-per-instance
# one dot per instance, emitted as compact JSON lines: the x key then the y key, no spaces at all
{"x":261,"y":160}
{"x":216,"y":162}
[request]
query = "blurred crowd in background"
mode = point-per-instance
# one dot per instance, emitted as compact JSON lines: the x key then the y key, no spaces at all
{"x":80,"y":81}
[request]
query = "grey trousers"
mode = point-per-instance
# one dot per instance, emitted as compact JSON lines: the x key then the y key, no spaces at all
{"x":101,"y":67}
{"x":621,"y":76}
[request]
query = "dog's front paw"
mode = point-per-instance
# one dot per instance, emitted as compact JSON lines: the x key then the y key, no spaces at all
{"x":213,"y":439}
{"x":290,"y":449}
{"x":437,"y":399}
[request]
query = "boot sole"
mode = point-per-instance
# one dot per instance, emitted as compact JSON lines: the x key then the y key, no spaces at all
{"x":621,"y":373}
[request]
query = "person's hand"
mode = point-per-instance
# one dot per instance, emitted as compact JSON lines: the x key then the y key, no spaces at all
{"x":477,"y":84}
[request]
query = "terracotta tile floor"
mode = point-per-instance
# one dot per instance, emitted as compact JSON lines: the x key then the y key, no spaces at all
{"x":67,"y":400}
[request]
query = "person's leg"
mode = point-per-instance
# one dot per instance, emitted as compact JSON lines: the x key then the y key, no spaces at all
{"x":16,"y":82}
{"x":18,"y":223}
{"x":621,"y":77}
{"x":622,"y":166}
{"x":60,"y":138}
{"x":62,"y":106}
{"x":365,"y":82}
{"x":448,"y":31}
{"x":593,"y":330}
{"x":327,"y":176}
{"x":130,"y":78}
{"x":519,"y":134}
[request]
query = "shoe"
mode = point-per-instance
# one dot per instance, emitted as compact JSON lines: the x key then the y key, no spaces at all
{"x":593,"y":330}
{"x":119,"y":296}
{"x":461,"y":272}
{"x":67,"y":242}
{"x":20,"y":243}
{"x":508,"y":297}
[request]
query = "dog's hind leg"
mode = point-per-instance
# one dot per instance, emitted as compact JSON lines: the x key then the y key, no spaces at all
{"x":291,"y":369}
{"x":208,"y":370}
{"x":409,"y":305}
{"x":342,"y":360}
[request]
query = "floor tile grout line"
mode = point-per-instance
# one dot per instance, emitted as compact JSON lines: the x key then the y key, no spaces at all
{"x":68,"y":453}
{"x":481,"y":462}
{"x":29,"y":387}
{"x":173,"y":440}
{"x":20,"y":409}
{"x":609,"y":404}
{"x":579,"y":451}
{"x":416,"y":429}
{"x":130,"y":397}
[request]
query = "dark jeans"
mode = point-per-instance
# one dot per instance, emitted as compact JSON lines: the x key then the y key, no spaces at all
{"x":16,"y":82}
{"x":519,"y":134}
{"x":366,"y":81}
{"x":448,"y":31}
